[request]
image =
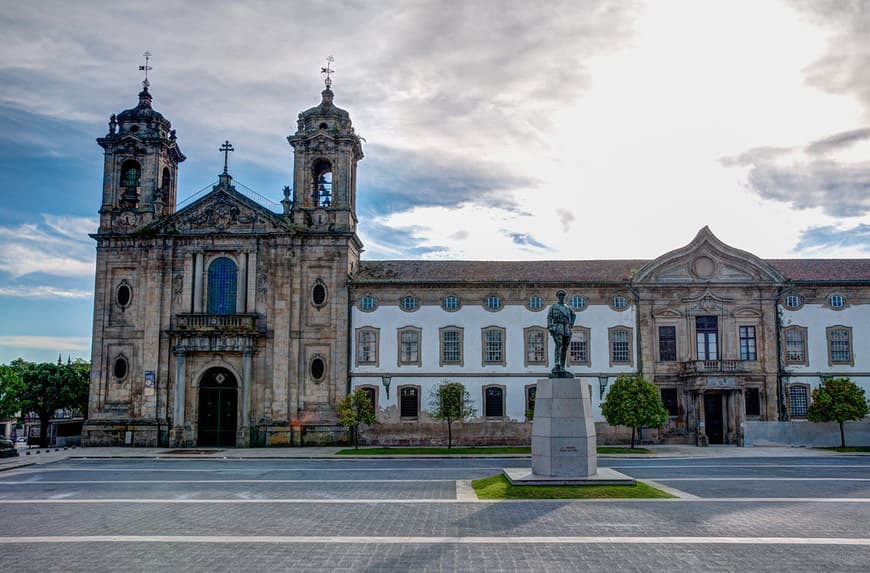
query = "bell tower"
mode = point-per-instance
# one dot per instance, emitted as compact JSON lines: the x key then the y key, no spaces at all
{"x":326,"y":151}
{"x":141,"y":166}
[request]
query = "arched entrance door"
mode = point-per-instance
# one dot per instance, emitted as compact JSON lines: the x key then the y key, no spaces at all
{"x":218,"y":408}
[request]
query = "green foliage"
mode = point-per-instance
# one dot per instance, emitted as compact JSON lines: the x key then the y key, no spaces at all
{"x":356,"y":408}
{"x":11,"y":386}
{"x":450,"y":401}
{"x":48,"y":387}
{"x":636,"y":403}
{"x":838,"y":400}
{"x":498,"y":487}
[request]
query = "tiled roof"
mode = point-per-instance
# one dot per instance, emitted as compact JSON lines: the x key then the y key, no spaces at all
{"x":577,"y":271}
{"x":823,"y":269}
{"x":496,"y":271}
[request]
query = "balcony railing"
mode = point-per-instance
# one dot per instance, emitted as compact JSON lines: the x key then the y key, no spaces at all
{"x":216,"y":322}
{"x":713,"y":367}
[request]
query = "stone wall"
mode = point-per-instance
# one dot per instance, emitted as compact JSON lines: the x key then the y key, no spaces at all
{"x":803,"y":433}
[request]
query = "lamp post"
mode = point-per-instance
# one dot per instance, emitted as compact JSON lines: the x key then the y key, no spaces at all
{"x":602,"y":386}
{"x":385,"y":382}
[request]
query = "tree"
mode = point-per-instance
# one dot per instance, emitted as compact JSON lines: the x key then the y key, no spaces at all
{"x":356,"y":408}
{"x":838,"y":400}
{"x":636,"y":403}
{"x":450,"y":401}
{"x":10,"y":388}
{"x":48,"y":387}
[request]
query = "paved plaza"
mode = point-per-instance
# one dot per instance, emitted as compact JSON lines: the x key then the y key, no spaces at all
{"x":792,"y":511}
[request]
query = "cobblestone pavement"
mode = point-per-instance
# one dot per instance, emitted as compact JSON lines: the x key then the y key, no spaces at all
{"x":752,"y":514}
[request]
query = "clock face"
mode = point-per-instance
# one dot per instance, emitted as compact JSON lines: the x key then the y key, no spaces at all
{"x":126,"y":219}
{"x":320,"y":217}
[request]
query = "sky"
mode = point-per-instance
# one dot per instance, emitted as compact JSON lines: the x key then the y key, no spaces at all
{"x":577,"y":129}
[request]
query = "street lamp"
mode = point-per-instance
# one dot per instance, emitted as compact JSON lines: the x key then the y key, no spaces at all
{"x":602,"y":386}
{"x":385,"y":382}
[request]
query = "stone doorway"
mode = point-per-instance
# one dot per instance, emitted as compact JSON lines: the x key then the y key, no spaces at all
{"x":714,"y":417}
{"x":218,"y":408}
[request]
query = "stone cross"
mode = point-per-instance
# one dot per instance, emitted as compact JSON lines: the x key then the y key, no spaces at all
{"x":146,"y":68}
{"x":226,"y":148}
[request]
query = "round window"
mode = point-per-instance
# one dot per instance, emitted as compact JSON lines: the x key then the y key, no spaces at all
{"x":318,"y":294}
{"x":323,"y":125}
{"x":120,"y":368}
{"x":134,"y":128}
{"x":368,"y":302}
{"x":318,"y":368}
{"x":123,"y":294}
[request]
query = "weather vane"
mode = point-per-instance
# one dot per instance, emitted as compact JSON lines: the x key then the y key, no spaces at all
{"x":146,"y":68}
{"x":226,"y":148}
{"x":328,"y":70}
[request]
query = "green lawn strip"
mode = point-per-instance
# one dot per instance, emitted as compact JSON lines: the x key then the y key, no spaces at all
{"x":849,"y":449}
{"x":498,"y":487}
{"x":622,"y":450}
{"x":498,"y":450}
{"x":435,"y":451}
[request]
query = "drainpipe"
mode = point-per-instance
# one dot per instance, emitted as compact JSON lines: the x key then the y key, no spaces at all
{"x":637,"y":336}
{"x":348,"y":289}
{"x":780,"y":367}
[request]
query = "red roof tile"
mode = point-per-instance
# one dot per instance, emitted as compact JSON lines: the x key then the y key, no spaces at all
{"x":603,"y":271}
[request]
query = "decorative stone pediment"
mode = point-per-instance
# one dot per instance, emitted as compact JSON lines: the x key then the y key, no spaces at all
{"x":223,"y":211}
{"x":747,"y":312}
{"x":667,"y":313}
{"x":706,"y":303}
{"x":707,"y":260}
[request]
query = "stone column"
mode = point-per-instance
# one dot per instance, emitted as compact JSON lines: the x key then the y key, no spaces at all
{"x":241,"y":283}
{"x":180,"y":384}
{"x":197,"y":283}
{"x":246,"y":386}
{"x":702,"y":430}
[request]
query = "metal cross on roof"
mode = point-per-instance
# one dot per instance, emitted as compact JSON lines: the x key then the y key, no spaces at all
{"x":226,"y":148}
{"x":328,"y":71}
{"x":146,"y":68}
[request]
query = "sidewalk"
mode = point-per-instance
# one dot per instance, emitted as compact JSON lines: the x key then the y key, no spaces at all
{"x":49,"y":455}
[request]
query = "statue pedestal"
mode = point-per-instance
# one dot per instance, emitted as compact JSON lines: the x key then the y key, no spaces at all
{"x":563,"y":439}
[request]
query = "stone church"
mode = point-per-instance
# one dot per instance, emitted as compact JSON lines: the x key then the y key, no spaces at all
{"x":227,"y":323}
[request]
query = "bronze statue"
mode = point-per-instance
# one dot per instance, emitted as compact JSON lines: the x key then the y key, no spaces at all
{"x":560,"y":321}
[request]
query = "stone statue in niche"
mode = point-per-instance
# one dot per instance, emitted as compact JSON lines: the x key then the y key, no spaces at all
{"x":177,"y":286}
{"x":560,"y":322}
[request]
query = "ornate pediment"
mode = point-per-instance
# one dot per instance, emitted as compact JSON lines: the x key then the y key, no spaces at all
{"x":223,"y":211}
{"x":707,"y":260}
{"x":746,"y":312}
{"x":706,"y":303}
{"x":667,"y":313}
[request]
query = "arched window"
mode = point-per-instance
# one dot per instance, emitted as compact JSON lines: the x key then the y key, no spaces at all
{"x":222,"y":286}
{"x":322,"y":192}
{"x":131,"y":172}
{"x":165,"y":184}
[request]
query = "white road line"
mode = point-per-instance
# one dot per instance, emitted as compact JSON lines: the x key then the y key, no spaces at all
{"x":219,"y":481}
{"x":501,"y":540}
{"x":671,"y":490}
{"x":265,"y":470}
{"x":653,"y":466}
{"x":759,"y":479}
{"x":423,"y":501}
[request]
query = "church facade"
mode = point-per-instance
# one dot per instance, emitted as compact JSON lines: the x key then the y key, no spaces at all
{"x":225,"y":323}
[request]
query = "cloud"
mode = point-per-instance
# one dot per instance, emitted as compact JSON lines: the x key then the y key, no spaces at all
{"x":58,"y":343}
{"x":805,"y":177}
{"x":525,"y":240}
{"x":845,"y":66}
{"x":58,"y":247}
{"x":43,"y":292}
{"x":566,"y":218}
{"x":401,"y":179}
{"x":835,"y":237}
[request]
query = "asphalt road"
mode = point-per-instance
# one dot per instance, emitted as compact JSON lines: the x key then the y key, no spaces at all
{"x":748,"y":514}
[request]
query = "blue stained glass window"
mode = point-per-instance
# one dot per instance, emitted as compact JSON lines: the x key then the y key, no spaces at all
{"x":222,"y":286}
